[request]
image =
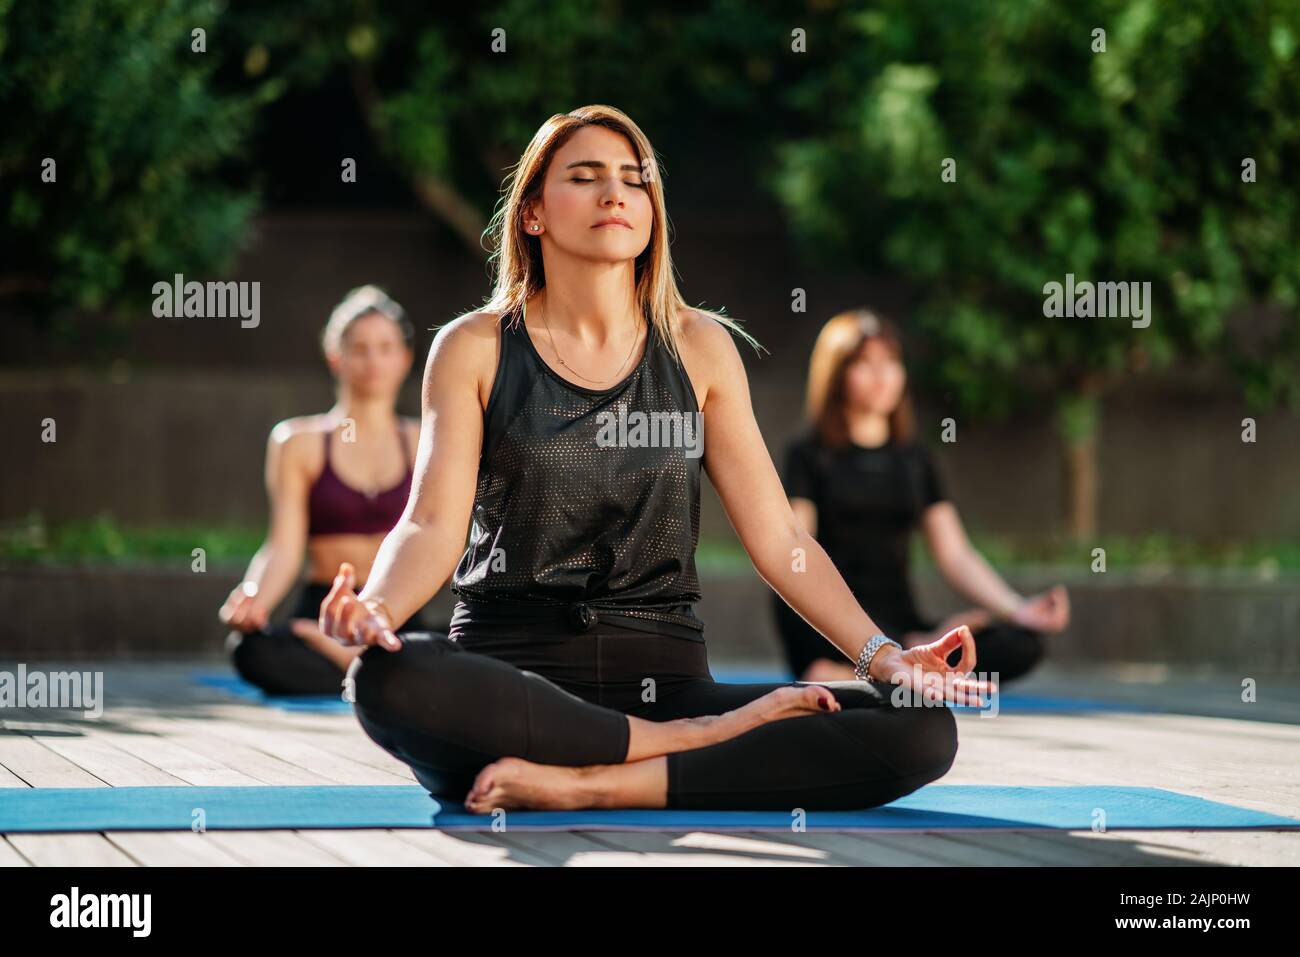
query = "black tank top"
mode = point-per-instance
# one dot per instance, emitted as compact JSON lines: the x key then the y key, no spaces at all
{"x":588,"y":500}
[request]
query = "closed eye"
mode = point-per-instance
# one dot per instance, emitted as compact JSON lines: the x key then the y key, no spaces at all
{"x":579,"y":179}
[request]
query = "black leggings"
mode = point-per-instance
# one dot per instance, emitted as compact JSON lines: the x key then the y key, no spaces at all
{"x":1009,"y":651}
{"x":552,"y":696}
{"x":279,"y":662}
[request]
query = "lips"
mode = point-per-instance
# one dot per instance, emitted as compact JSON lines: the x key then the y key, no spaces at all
{"x":613,"y":221}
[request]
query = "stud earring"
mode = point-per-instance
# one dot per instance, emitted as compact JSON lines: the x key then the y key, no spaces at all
{"x":535,"y":227}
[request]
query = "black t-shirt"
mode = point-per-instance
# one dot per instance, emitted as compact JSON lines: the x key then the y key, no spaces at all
{"x":869,"y":501}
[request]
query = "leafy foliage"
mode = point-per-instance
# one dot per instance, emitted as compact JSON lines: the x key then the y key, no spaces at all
{"x":1123,"y":165}
{"x":113,"y":94}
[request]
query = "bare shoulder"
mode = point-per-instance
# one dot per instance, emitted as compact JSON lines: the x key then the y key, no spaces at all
{"x":708,"y":350}
{"x":293,"y":431}
{"x":468,"y":334}
{"x":474,"y":325}
{"x":703,"y":333}
{"x":297,"y":439}
{"x":464,"y":351}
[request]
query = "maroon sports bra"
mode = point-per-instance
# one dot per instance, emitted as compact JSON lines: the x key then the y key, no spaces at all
{"x":337,"y":509}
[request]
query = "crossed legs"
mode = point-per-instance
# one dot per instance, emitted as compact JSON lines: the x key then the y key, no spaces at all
{"x":477,"y":729}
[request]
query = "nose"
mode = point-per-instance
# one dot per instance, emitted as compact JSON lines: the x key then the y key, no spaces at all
{"x":614,"y":196}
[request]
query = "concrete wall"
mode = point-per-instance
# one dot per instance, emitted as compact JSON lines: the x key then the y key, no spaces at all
{"x":1238,"y":625}
{"x":187,"y":447}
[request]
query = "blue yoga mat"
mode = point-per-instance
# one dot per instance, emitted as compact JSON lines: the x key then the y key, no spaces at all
{"x":939,"y":807}
{"x":1007,"y":703}
{"x":242,"y":689}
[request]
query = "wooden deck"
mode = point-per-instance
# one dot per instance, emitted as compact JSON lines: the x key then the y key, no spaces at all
{"x":159,"y":729}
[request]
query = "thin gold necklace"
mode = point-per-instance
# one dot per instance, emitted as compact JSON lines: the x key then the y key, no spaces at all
{"x":575,"y":371}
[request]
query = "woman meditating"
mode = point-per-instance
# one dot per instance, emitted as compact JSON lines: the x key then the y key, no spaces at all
{"x":337,"y":483}
{"x":861,"y":485}
{"x":574,"y":673}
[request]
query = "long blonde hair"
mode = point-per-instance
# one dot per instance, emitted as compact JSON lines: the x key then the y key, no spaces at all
{"x":837,"y":346}
{"x":516,"y":257}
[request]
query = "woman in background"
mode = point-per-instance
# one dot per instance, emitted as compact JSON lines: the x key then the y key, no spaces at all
{"x":333,"y":496}
{"x":860,"y":485}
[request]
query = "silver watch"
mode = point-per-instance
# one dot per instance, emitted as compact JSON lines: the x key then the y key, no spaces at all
{"x":868,"y":652}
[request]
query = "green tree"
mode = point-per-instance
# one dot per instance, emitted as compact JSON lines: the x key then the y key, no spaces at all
{"x":113,"y":94}
{"x":451,"y":101}
{"x":150,"y":137}
{"x":1122,"y":165}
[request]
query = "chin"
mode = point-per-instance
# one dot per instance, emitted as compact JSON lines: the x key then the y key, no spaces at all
{"x":608,"y":256}
{"x":613,"y":247}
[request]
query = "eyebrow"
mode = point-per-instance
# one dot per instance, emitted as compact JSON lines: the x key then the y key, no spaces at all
{"x":597,"y":164}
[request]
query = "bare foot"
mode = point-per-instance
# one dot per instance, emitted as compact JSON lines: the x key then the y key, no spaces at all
{"x":780,"y":703}
{"x":516,"y":783}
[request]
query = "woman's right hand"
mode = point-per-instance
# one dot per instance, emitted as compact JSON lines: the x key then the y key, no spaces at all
{"x":346,"y":618}
{"x":243,"y":610}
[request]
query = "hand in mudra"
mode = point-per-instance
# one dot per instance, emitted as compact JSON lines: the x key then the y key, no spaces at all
{"x":346,"y":618}
{"x":1047,"y":612}
{"x":925,"y":668}
{"x":243,"y":610}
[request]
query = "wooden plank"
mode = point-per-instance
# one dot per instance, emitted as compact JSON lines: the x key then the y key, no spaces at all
{"x":165,"y":731}
{"x":1021,"y":848}
{"x":272,"y":848}
{"x":986,"y":851}
{"x":464,"y":849}
{"x":174,"y":759}
{"x":712,"y":849}
{"x":108,"y":763}
{"x":860,"y":850}
{"x":270,"y":755}
{"x":171,"y":849}
{"x":1220,"y":848}
{"x":372,"y":848}
{"x":361,"y":750}
{"x":40,"y":767}
{"x":261,"y":767}
{"x":10,"y":780}
{"x":569,"y":848}
{"x":9,"y":856}
{"x":1159,"y":752}
{"x":70,"y":850}
{"x":331,"y":766}
{"x":213,"y":740}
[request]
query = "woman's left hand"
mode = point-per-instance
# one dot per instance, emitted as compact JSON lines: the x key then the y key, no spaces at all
{"x":1048,"y":612}
{"x":925,"y":668}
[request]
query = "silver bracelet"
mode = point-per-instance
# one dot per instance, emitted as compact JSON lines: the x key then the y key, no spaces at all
{"x":860,"y":669}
